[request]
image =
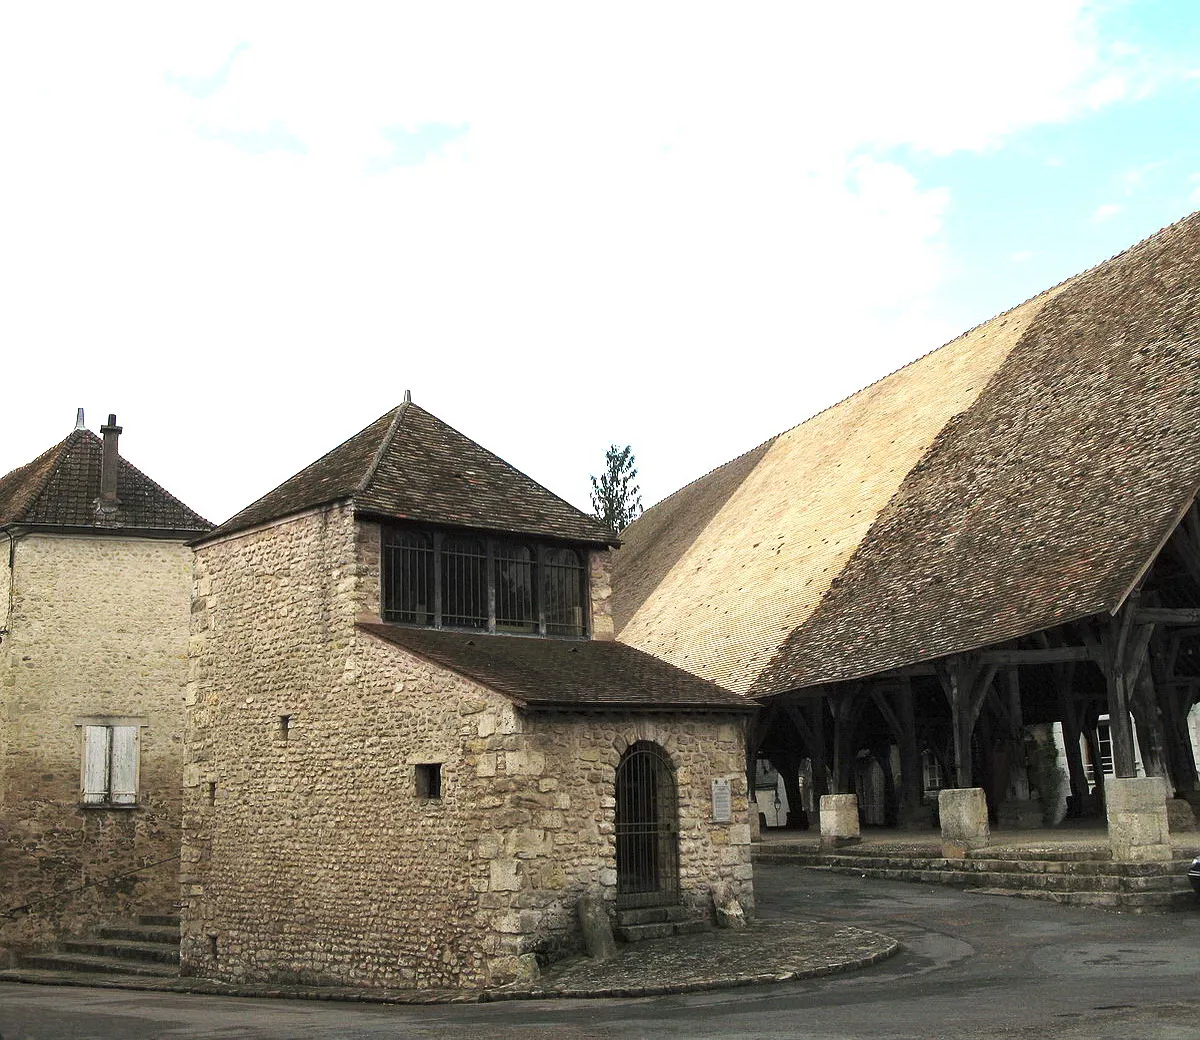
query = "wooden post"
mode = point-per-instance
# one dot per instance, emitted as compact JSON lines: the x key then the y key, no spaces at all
{"x":965,"y":679}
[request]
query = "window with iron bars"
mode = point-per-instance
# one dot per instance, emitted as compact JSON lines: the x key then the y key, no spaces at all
{"x":450,"y":579}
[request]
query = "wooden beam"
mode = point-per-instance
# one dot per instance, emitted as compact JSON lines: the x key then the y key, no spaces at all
{"x":1047,"y":655}
{"x":1166,"y":616}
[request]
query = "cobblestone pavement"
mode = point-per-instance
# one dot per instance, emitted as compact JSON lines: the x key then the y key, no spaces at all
{"x":765,"y":951}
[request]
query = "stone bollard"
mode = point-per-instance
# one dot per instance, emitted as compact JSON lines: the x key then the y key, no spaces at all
{"x":839,"y":820}
{"x":964,"y":816}
{"x":1137,"y":819}
{"x":597,"y":928}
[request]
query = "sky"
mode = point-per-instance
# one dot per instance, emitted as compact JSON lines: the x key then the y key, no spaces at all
{"x":247,"y":229}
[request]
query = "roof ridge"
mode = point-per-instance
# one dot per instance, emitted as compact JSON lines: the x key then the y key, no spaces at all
{"x":920,"y":357}
{"x":384,"y":443}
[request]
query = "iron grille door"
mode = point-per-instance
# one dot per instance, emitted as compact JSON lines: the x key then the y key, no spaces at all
{"x":647,"y":826}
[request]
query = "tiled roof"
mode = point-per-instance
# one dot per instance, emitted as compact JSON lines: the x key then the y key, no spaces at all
{"x":555,"y":673}
{"x":60,"y":488}
{"x":1017,"y":478}
{"x":410,"y":465}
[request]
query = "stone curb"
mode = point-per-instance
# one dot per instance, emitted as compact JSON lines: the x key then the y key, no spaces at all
{"x":852,"y":950}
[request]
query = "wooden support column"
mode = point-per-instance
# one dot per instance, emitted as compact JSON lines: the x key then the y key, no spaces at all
{"x":965,"y":680}
{"x":1120,"y":650}
{"x":817,"y":752}
{"x":1174,"y":701}
{"x":756,"y":731}
{"x":1064,"y":682}
{"x":901,"y":720}
{"x":1146,"y":718}
{"x":845,"y":723}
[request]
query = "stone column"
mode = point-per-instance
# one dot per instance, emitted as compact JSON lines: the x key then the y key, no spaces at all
{"x":1137,"y":819}
{"x":964,"y":816}
{"x":839,"y":820}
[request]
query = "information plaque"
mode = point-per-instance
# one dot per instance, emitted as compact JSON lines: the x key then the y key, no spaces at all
{"x":722,"y":804}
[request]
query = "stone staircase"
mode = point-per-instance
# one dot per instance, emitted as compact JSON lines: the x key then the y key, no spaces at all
{"x":1073,"y":876}
{"x":656,"y":922}
{"x":147,"y":946}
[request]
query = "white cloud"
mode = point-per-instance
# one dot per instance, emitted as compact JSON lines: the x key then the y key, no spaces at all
{"x":1105,"y":212}
{"x":644,"y":214}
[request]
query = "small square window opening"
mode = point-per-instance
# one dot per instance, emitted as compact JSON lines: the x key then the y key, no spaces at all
{"x":429,"y":780}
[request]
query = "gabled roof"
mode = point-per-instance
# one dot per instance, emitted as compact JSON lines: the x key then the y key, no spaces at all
{"x":60,"y":488}
{"x":1020,"y":477}
{"x":410,"y":465}
{"x":560,"y":673}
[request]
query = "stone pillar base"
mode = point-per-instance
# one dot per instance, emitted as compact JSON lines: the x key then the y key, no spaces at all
{"x":756,"y":819}
{"x":1137,"y":819}
{"x":839,"y":820}
{"x":963,"y":812}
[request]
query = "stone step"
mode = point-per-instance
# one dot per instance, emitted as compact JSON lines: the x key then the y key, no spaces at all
{"x":148,"y":933}
{"x":651,"y":914}
{"x":159,"y":920}
{"x":90,"y":963}
{"x":1132,"y":902}
{"x":982,"y":864}
{"x":692,"y":926}
{"x":125,"y":950}
{"x":637,"y":932}
{"x":1163,"y":890}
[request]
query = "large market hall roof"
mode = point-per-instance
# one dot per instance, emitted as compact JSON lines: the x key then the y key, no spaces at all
{"x":1020,"y":477}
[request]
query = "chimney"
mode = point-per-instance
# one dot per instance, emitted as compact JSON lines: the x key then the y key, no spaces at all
{"x":108,"y":464}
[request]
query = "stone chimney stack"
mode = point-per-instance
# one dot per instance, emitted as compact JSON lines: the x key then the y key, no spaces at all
{"x":108,"y":465}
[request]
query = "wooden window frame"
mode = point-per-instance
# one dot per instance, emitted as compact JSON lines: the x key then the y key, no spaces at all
{"x":104,"y":793}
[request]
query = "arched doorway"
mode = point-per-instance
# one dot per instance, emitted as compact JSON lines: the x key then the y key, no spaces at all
{"x":647,"y":823}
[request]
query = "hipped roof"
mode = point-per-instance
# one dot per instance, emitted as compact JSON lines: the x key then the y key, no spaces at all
{"x":409,"y":465}
{"x":1020,"y":477}
{"x":61,"y":488}
{"x":583,"y":675}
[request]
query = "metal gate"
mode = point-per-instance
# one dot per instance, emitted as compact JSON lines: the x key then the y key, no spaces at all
{"x":647,"y":822}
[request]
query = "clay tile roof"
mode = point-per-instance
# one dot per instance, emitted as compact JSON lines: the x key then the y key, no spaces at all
{"x":61,"y":486}
{"x":1020,"y":477}
{"x":568,"y":674}
{"x":410,"y":465}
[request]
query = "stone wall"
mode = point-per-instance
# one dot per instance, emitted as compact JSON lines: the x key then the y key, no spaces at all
{"x":315,"y":855}
{"x":98,"y":627}
{"x":600,"y":564}
{"x":557,"y":839}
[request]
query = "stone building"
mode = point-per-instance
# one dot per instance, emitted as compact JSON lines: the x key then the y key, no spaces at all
{"x":414,"y":743}
{"x":1003,"y":535}
{"x":95,"y":579}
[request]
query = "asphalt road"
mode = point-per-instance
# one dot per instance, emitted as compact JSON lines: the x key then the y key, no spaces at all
{"x":973,"y":967}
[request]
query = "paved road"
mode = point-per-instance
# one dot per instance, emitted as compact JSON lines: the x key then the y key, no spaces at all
{"x":974,"y":967}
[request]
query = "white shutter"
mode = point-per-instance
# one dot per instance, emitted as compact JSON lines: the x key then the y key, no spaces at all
{"x":95,"y":763}
{"x":124,"y":773}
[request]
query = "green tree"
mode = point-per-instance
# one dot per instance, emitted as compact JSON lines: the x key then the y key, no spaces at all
{"x":616,"y":499}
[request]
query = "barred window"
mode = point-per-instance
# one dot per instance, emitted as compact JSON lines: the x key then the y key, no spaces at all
{"x":464,"y":582}
{"x":443,"y":579}
{"x":408,"y":558}
{"x":516,"y":610}
{"x":562,"y":592}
